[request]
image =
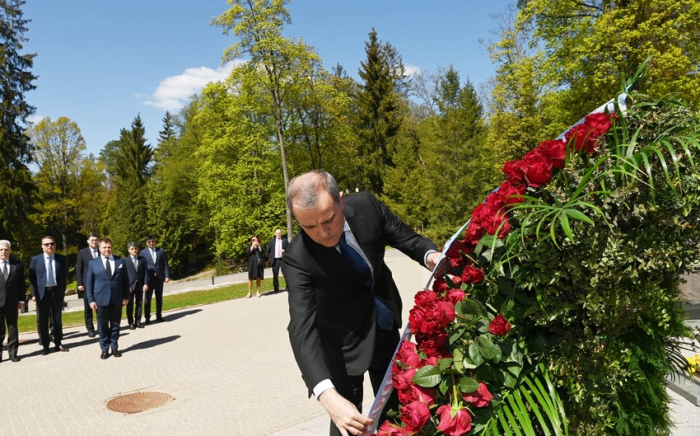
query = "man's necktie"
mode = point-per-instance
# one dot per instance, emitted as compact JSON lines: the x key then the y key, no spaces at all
{"x":50,"y":280}
{"x":5,"y":271}
{"x":153,"y":255}
{"x":385,"y":318}
{"x":94,"y":254}
{"x":136,"y":263}
{"x":108,"y":267}
{"x":278,"y":248}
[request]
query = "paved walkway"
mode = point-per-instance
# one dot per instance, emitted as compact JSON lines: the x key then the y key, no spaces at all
{"x":228,"y":366}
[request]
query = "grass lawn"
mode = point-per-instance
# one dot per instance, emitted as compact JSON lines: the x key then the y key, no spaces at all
{"x":27,"y":323}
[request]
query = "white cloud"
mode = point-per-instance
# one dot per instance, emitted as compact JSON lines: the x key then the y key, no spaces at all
{"x":174,"y":91}
{"x":34,"y":119}
{"x":412,"y":70}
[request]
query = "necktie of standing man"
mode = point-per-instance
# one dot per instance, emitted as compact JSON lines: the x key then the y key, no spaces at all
{"x":5,"y":271}
{"x":108,"y":267}
{"x":50,"y":280}
{"x":153,"y":255}
{"x":278,"y":248}
{"x":94,"y":254}
{"x":136,"y":263}
{"x":385,"y":319}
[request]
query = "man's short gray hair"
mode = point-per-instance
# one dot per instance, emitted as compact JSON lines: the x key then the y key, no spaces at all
{"x":304,"y":190}
{"x":5,"y":243}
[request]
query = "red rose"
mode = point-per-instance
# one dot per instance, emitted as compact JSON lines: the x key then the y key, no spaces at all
{"x":456,"y":264}
{"x":599,"y":122}
{"x":415,"y":415}
{"x":416,"y":393}
{"x":537,"y":169}
{"x":490,"y":216}
{"x":455,"y":425}
{"x":456,"y":281}
{"x":454,"y":250}
{"x":473,"y":233}
{"x":472,"y":275}
{"x":440,"y":285}
{"x":423,"y":298}
{"x":511,"y":194}
{"x":403,"y":379}
{"x":454,"y":296}
{"x":481,"y":398}
{"x":432,"y":344}
{"x":499,"y":326}
{"x":554,"y":150}
{"x":388,"y":428}
{"x":407,"y":354}
{"x":513,"y":172}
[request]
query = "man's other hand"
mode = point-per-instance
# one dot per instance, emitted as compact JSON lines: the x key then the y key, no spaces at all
{"x":344,"y":414}
{"x":432,"y":261}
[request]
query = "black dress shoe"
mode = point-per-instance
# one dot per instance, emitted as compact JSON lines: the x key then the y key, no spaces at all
{"x":132,"y":326}
{"x":139,"y":325}
{"x":45,"y":351}
{"x":148,"y":321}
{"x":92,"y":334}
{"x":104,"y":355}
{"x":160,"y":319}
{"x":61,"y":348}
{"x":116,"y":353}
{"x":15,"y":358}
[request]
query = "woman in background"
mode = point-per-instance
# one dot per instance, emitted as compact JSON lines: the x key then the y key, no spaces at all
{"x":256,"y":265}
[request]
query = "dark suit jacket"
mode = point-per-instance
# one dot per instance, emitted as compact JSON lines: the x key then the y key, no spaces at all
{"x":160,"y":268}
{"x":105,"y":290}
{"x":332,"y":321}
{"x":137,"y":276}
{"x":270,"y":251}
{"x":81,"y":266}
{"x":37,"y":274}
{"x":12,"y":290}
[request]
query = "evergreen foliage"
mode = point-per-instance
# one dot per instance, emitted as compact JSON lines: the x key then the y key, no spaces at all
{"x":16,"y":189}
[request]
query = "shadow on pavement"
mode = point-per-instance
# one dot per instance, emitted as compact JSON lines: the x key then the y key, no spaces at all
{"x":151,"y":343}
{"x":178,"y":315}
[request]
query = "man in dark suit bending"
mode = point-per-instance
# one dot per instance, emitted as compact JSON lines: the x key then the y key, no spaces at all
{"x":345,"y":309}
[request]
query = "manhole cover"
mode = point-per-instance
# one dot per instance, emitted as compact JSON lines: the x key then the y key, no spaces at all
{"x":138,"y":402}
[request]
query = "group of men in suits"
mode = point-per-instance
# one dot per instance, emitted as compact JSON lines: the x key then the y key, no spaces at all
{"x":345,"y":309}
{"x":107,"y":283}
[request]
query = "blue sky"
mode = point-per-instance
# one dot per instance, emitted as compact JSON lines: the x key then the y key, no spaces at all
{"x":100,"y":63}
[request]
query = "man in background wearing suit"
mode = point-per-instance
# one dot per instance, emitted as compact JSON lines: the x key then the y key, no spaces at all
{"x":138,"y":284}
{"x":345,"y":309}
{"x":158,"y":273}
{"x":11,"y":299}
{"x":275,"y":250}
{"x":107,"y":290}
{"x":47,"y":276}
{"x":84,"y":257}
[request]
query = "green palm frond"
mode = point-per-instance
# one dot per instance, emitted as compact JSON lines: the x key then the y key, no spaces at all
{"x":533,"y":408}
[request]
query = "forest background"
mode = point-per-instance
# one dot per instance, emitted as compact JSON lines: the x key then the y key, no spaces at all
{"x":429,"y":145}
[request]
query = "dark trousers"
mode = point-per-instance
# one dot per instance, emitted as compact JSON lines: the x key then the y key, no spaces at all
{"x":133,"y":311}
{"x":350,"y":387}
{"x":155,"y":286}
{"x":276,"y":265}
{"x":51,"y":306}
{"x":9,"y":314}
{"x":108,"y":319}
{"x":87,"y":311}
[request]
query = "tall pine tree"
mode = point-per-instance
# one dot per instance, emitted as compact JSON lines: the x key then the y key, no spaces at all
{"x":128,"y":215}
{"x":380,"y":110}
{"x":16,"y":190}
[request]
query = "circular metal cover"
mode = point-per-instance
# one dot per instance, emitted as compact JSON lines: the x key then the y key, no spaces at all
{"x":138,"y":402}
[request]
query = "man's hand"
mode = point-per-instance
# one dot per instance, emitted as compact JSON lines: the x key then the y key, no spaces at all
{"x":167,"y":279}
{"x":432,"y":260}
{"x":20,"y":305}
{"x":81,"y":288}
{"x":125,"y":302}
{"x":93,"y":306}
{"x":343,"y":413}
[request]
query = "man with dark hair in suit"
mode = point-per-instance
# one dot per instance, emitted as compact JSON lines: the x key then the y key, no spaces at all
{"x":158,"y":274}
{"x":47,"y":275}
{"x":107,"y":290}
{"x":84,"y":257}
{"x":275,"y":250}
{"x":345,"y":309}
{"x":11,"y":299}
{"x":138,"y":284}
